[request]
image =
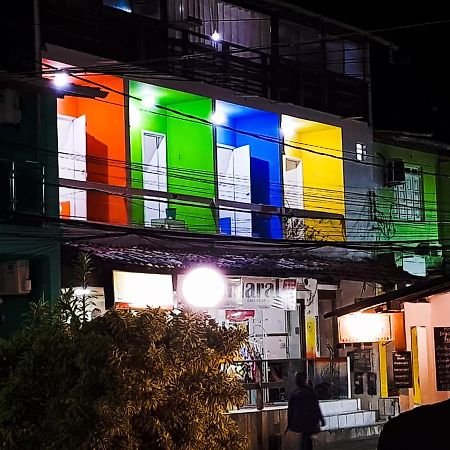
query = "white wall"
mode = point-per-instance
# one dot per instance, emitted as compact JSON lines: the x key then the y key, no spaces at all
{"x":436,"y":313}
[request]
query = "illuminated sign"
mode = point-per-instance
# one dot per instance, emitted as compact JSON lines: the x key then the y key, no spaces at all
{"x":280,"y":293}
{"x":253,"y":293}
{"x":142,"y":290}
{"x":364,"y":327}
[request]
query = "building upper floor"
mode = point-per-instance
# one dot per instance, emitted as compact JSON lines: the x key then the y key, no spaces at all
{"x":266,"y":48}
{"x":411,"y":204}
{"x":150,"y":155}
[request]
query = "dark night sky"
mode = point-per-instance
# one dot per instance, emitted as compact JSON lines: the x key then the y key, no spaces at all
{"x":412,"y":92}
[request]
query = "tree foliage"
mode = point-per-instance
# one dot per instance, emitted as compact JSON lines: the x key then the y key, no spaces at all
{"x":125,"y":380}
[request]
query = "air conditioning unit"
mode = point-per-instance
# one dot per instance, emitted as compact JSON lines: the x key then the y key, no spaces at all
{"x":14,"y":278}
{"x":395,"y":172}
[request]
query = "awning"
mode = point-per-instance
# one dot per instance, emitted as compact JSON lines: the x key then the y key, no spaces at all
{"x":174,"y":252}
{"x":417,"y":291}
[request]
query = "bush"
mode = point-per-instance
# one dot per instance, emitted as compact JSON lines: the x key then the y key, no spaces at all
{"x":125,"y":380}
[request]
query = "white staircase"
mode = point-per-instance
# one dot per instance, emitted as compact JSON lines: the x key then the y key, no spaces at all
{"x":345,"y":421}
{"x":345,"y":413}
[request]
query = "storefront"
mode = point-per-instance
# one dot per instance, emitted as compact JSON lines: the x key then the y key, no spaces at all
{"x":414,"y":362}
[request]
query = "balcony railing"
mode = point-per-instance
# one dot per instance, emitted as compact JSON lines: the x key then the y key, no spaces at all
{"x":260,"y":73}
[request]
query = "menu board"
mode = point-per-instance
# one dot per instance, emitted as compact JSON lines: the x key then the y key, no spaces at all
{"x":442,"y":354}
{"x":402,"y":367}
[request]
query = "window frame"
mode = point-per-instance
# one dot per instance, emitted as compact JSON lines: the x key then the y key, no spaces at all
{"x":408,"y":210}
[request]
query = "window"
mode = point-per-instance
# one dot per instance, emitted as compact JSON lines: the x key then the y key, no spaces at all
{"x":361,"y":151}
{"x":148,"y":8}
{"x":345,"y":57}
{"x":408,"y":197}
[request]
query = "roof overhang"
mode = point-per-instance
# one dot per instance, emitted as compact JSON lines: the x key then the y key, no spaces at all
{"x":417,"y":291}
{"x":177,"y":251}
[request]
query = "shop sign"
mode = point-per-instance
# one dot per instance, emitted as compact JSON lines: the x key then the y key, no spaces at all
{"x":402,"y":368}
{"x":364,"y":327}
{"x":260,"y":293}
{"x":142,"y":290}
{"x":442,"y":355}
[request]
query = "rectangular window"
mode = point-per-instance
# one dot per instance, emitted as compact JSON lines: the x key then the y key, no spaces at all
{"x":361,"y":151}
{"x":408,"y":197}
{"x":345,"y":57}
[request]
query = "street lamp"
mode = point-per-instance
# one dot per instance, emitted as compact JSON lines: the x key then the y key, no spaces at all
{"x":216,"y":36}
{"x":203,"y":287}
{"x":61,"y":79}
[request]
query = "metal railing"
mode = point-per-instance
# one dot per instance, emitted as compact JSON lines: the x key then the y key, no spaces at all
{"x":256,"y":72}
{"x":269,"y":382}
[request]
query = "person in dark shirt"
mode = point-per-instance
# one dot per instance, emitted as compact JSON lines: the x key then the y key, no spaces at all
{"x":425,"y":427}
{"x":304,"y":414}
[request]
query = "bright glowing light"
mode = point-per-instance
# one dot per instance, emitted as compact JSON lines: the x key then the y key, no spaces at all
{"x":218,"y":118}
{"x":82,"y":291}
{"x":142,"y":290}
{"x":364,"y":327}
{"x":289,"y":127}
{"x":203,"y":287}
{"x":216,"y":36}
{"x":61,"y":79}
{"x":135,"y":117}
{"x":149,"y":101}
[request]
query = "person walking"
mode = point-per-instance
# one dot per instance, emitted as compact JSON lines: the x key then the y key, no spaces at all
{"x":304,"y":414}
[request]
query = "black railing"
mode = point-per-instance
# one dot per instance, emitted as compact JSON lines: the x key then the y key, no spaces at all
{"x":256,"y":72}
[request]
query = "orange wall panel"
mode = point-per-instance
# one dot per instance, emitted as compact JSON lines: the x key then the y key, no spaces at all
{"x":106,"y":150}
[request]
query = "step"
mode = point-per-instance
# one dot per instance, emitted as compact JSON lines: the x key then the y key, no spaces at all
{"x":327,"y":437}
{"x":330,"y":407}
{"x":350,"y":420}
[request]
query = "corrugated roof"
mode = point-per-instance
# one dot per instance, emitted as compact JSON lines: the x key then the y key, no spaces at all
{"x":255,"y":260}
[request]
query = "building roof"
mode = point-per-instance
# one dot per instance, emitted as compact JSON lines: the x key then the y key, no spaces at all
{"x":419,"y":290}
{"x":411,"y":141}
{"x":178,"y":252}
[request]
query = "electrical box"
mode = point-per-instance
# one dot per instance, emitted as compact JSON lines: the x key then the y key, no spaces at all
{"x":395,"y":172}
{"x":15,"y":278}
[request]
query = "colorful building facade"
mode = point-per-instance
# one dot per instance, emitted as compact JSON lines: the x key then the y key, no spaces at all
{"x":198,"y":163}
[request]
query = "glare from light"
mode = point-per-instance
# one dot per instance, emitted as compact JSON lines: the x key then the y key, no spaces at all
{"x":203,"y":287}
{"x":289,"y":127}
{"x":82,"y":291}
{"x":364,"y":327}
{"x":149,"y":101}
{"x":218,"y":118}
{"x":135,"y":117}
{"x":216,"y":37}
{"x":142,"y":290}
{"x":61,"y":79}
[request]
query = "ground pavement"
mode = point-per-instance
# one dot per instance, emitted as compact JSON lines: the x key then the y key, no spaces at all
{"x":361,"y":444}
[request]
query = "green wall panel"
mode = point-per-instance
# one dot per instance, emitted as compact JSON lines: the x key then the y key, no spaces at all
{"x":426,"y":229}
{"x":190,"y":156}
{"x":191,"y":161}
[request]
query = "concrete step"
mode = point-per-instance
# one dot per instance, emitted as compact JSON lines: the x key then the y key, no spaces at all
{"x":326,"y":438}
{"x":349,"y":420}
{"x":330,"y":407}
